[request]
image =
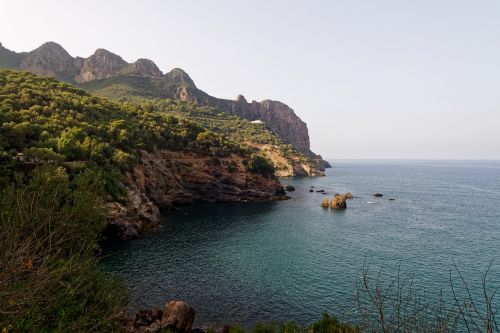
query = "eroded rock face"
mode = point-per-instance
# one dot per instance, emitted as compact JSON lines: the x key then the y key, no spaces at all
{"x":143,"y":68}
{"x":168,"y":178}
{"x":164,"y":179}
{"x":50,"y":59}
{"x":178,"y":317}
{"x":338,"y":202}
{"x":130,"y":219}
{"x":178,"y":76}
{"x":101,"y":65}
{"x":279,"y":117}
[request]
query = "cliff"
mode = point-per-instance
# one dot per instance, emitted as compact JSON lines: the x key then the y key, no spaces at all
{"x":165,"y":178}
{"x":107,"y":74}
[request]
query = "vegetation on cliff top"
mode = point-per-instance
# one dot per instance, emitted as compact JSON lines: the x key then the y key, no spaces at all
{"x":44,"y":113}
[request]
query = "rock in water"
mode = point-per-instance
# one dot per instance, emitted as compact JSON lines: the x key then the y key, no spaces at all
{"x":348,"y":195}
{"x":378,"y":195}
{"x":324,"y":203}
{"x":178,"y":317}
{"x":289,"y":188}
{"x":338,"y":202}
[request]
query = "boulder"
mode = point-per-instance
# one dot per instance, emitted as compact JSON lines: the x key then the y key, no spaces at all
{"x":348,"y":195}
{"x":378,"y":195}
{"x":178,"y":317}
{"x":338,"y":202}
{"x":311,"y":191}
{"x":324,"y":203}
{"x":289,"y":188}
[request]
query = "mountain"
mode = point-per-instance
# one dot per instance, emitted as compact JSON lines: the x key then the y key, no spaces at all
{"x":106,"y":74}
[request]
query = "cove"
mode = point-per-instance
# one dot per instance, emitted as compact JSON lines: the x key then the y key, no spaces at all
{"x":292,"y":260}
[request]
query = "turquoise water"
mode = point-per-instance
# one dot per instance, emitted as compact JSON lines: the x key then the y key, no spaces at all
{"x":292,"y":260}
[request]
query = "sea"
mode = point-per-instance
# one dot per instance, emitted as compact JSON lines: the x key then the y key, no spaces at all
{"x":292,"y":260}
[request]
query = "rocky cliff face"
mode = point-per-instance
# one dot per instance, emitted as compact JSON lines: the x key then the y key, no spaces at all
{"x":279,"y":117}
{"x":165,"y":178}
{"x":101,"y":65}
{"x":51,"y":59}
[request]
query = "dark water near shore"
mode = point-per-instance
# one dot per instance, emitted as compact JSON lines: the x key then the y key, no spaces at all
{"x":292,"y":260}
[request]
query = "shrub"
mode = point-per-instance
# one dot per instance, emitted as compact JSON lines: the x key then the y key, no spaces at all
{"x":49,"y":278}
{"x":259,"y":164}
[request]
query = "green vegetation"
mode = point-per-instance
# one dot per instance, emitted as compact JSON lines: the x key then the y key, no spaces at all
{"x":327,"y":324}
{"x":232,"y":127}
{"x":49,"y":279}
{"x":259,"y":164}
{"x":44,"y":113}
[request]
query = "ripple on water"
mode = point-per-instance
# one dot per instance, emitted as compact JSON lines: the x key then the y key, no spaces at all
{"x":292,"y":260}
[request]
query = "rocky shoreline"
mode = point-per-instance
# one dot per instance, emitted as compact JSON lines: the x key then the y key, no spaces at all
{"x":176,"y":316}
{"x":164,"y":179}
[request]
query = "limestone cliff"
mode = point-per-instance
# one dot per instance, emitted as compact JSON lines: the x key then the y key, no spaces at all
{"x":101,"y":65}
{"x":164,"y":179}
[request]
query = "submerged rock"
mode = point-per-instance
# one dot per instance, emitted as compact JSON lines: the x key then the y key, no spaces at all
{"x":178,"y":317}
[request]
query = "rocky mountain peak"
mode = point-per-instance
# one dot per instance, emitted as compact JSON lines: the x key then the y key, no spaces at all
{"x":50,"y":59}
{"x":143,"y":68}
{"x":101,"y":65}
{"x":241,"y":99}
{"x":179,"y":76}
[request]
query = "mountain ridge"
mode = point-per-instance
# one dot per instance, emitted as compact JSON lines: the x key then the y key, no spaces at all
{"x":106,"y":74}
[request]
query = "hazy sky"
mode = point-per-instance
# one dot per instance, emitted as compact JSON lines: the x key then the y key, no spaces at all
{"x":372,"y":79}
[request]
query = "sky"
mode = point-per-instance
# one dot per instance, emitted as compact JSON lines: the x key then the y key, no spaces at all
{"x":378,"y":79}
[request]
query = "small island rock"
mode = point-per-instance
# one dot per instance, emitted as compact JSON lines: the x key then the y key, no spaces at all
{"x":338,"y":202}
{"x":324,"y":203}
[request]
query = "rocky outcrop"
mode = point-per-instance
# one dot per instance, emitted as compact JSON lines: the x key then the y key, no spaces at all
{"x":131,"y":218}
{"x":290,"y":166}
{"x":178,"y":317}
{"x":101,"y":65}
{"x":325,"y":203}
{"x":338,"y":202}
{"x":178,"y":76}
{"x":168,"y":178}
{"x":142,"y":68}
{"x":10,"y":59}
{"x":165,"y":179}
{"x":50,"y":59}
{"x":279,"y":117}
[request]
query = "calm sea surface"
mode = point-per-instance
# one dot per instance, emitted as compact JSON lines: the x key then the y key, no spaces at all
{"x":293,"y":260}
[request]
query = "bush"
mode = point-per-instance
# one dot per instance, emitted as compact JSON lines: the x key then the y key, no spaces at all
{"x":49,"y":278}
{"x":259,"y":164}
